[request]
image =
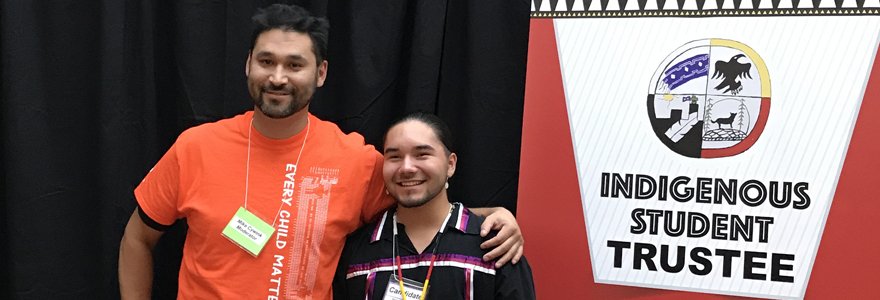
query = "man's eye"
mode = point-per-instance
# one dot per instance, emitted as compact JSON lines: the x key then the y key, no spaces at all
{"x":266,"y":62}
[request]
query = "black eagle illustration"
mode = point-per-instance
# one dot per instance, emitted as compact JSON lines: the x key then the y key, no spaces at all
{"x":730,"y":71}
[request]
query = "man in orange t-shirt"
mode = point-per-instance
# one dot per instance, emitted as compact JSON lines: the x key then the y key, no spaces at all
{"x":269,"y":195}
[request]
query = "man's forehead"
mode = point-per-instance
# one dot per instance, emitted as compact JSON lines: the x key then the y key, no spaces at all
{"x":283,"y":43}
{"x":412,"y":134}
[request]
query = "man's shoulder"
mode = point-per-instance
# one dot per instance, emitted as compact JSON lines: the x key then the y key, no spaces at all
{"x":366,"y":243}
{"x":211,"y":130}
{"x":370,"y":231}
{"x":474,"y":221}
{"x":347,"y":144}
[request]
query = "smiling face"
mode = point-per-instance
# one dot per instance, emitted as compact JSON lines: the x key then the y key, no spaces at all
{"x":416,"y":164}
{"x":282,"y":73}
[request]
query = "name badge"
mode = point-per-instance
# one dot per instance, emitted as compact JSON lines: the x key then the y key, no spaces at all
{"x":413,"y":289}
{"x":248,"y":231}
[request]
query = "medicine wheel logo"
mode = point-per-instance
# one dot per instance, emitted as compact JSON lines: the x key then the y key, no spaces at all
{"x":710,"y":98}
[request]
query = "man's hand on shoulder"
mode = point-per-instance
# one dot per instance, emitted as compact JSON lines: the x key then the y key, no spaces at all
{"x":507,"y":245}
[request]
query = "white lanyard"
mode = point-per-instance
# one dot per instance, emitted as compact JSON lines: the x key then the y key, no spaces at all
{"x":248,"y":164}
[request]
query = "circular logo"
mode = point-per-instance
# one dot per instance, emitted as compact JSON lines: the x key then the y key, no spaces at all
{"x":710,"y":98}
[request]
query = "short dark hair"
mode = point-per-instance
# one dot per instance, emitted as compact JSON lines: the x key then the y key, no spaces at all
{"x":441,"y":130}
{"x":292,"y":18}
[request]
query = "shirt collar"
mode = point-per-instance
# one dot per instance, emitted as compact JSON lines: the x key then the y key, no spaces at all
{"x":458,"y":220}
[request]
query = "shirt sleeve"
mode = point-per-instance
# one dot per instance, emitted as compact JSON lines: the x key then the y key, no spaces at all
{"x":376,"y":200}
{"x":157,"y":194}
{"x":514,"y":281}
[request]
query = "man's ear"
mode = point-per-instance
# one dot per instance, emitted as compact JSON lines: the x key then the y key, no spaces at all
{"x":452,"y":160}
{"x":247,"y":64}
{"x":322,"y":73}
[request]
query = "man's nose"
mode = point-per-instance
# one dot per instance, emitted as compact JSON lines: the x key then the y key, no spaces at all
{"x":278,"y":76}
{"x":409,"y":164}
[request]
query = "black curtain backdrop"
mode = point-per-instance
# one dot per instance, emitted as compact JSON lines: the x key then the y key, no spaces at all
{"x":94,"y":92}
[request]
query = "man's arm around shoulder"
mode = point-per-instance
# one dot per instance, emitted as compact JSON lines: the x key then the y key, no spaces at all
{"x":136,"y":259}
{"x":507,"y":245}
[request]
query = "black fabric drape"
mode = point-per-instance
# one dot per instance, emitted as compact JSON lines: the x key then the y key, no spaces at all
{"x":94,"y":92}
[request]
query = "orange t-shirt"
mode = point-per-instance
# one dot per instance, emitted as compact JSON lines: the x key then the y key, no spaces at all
{"x":337,"y":188}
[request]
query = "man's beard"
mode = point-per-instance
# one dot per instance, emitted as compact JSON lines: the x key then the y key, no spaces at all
{"x":275,"y":111}
{"x":429,"y":195}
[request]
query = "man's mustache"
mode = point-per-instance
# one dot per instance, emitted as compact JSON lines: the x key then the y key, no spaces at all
{"x":282,"y":89}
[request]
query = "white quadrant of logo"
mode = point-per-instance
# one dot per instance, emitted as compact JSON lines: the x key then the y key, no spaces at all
{"x":742,"y":208}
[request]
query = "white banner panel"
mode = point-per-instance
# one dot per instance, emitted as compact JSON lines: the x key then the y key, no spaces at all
{"x":708,"y":149}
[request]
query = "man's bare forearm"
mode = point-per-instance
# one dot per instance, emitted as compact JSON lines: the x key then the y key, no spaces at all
{"x":136,"y":259}
{"x":135,"y":271}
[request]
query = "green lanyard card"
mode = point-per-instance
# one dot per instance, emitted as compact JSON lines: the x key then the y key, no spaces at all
{"x":248,"y":231}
